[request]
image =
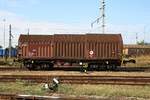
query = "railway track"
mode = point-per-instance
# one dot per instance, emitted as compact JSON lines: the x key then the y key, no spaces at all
{"x":12,"y":68}
{"x":134,"y":69}
{"x":80,"y":79}
{"x":36,"y":97}
{"x":62,"y":97}
{"x":119,"y":69}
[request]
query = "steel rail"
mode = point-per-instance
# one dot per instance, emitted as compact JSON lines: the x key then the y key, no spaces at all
{"x":36,"y":97}
{"x":80,"y":79}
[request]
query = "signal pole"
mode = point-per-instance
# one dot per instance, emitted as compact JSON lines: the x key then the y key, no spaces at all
{"x":102,"y":16}
{"x":28,"y":43}
{"x":136,"y":38}
{"x":144,"y":34}
{"x":28,"y":31}
{"x":4,"y":20}
{"x":10,"y":35}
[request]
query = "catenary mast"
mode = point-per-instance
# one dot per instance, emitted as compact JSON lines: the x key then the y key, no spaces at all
{"x":102,"y":17}
{"x":10,"y":40}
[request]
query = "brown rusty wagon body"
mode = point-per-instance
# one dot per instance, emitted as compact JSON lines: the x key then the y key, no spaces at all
{"x":35,"y":46}
{"x":93,"y":49}
{"x":136,"y":50}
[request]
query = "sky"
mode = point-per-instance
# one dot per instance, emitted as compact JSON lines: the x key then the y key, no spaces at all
{"x":131,"y":18}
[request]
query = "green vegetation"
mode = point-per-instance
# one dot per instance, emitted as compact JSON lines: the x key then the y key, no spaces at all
{"x":9,"y":62}
{"x":22,"y":87}
{"x":4,"y":61}
{"x":142,"y":61}
{"x":106,"y":90}
{"x":142,"y":43}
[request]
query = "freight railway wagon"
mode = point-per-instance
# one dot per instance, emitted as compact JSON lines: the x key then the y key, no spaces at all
{"x":136,"y":50}
{"x":5,"y":52}
{"x":92,"y":50}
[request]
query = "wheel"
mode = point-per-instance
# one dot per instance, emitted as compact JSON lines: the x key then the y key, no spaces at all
{"x":29,"y":66}
{"x":50,"y":66}
{"x":101,"y":67}
{"x":90,"y":68}
{"x":44,"y":66}
{"x":114,"y":67}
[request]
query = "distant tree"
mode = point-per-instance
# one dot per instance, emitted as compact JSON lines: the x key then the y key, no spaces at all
{"x":16,"y":46}
{"x":11,"y":48}
{"x":147,"y":43}
{"x":141,"y":42}
{"x":1,"y":46}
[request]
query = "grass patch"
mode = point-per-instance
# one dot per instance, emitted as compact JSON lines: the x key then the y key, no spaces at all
{"x":23,"y":87}
{"x":106,"y":90}
{"x":141,"y":61}
{"x":9,"y":62}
